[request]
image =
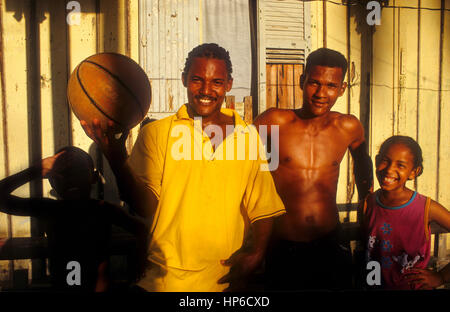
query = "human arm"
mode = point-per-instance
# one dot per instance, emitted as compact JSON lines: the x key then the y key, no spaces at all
{"x":429,"y":279}
{"x":362,"y":163}
{"x":245,"y":261}
{"x":132,"y":189}
{"x":131,"y":223}
{"x":34,"y":207}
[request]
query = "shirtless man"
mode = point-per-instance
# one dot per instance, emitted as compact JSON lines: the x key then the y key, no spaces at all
{"x":306,"y":252}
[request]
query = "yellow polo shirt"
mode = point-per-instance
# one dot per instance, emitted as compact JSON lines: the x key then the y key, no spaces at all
{"x":207,"y":198}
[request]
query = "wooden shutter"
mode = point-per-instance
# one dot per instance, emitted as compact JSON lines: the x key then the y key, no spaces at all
{"x":283,"y":46}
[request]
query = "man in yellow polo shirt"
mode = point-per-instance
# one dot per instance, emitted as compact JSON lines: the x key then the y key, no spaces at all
{"x":198,"y":176}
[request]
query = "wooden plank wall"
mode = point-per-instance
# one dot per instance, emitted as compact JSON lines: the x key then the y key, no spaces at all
{"x":38,"y":51}
{"x":283,"y":85}
{"x":169,"y":30}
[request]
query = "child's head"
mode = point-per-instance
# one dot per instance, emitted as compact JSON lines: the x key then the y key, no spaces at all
{"x":399,"y":160}
{"x":73,"y":173}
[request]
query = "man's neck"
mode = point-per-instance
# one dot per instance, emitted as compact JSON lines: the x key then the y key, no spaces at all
{"x":217,"y":118}
{"x":311,"y":119}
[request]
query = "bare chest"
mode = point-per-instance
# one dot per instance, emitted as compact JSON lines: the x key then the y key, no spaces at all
{"x":305,"y":149}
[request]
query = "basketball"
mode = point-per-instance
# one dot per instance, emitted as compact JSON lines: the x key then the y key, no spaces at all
{"x":109,"y":86}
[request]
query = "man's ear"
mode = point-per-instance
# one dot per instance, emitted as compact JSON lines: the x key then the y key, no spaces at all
{"x":302,"y":80}
{"x":343,"y":87}
{"x":229,"y":84}
{"x":183,"y":79}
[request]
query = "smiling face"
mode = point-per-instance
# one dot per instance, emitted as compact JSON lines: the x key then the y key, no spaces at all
{"x":321,"y":87}
{"x":395,"y":167}
{"x":207,"y":82}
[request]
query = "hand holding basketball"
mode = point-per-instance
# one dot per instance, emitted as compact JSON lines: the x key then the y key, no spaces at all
{"x":110,"y":143}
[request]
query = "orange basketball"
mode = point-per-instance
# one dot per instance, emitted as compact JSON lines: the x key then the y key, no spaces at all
{"x":109,"y":86}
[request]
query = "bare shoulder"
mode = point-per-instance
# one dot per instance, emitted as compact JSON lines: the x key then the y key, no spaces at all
{"x":347,"y":122}
{"x":349,"y":125}
{"x":275,"y":116}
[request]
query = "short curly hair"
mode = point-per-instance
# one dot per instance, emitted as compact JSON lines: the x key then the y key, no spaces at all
{"x":208,"y":50}
{"x":328,"y":58}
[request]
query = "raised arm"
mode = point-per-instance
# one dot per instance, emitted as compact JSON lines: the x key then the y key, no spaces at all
{"x":18,"y":206}
{"x":132,"y":189}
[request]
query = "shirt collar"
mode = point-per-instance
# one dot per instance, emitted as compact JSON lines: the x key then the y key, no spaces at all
{"x":182,"y":114}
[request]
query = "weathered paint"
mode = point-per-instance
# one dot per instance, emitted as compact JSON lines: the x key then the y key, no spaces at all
{"x":39,"y":50}
{"x":169,"y":30}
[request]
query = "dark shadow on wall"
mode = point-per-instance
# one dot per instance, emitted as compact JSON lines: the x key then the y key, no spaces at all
{"x":34,"y":13}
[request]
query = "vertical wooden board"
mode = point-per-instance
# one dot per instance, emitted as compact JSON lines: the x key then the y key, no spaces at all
{"x":16,"y":58}
{"x":262,"y":66}
{"x":353,"y":77}
{"x":3,"y":164}
{"x":111,"y":26}
{"x":156,"y":71}
{"x":172,"y":49}
{"x":429,"y":97}
{"x":122,"y":26}
{"x":408,"y":36}
{"x":164,"y":57}
{"x":180,"y":90}
{"x":271,"y":83}
{"x":336,"y":21}
{"x":354,"y":71}
{"x":16,"y":97}
{"x":53,"y":72}
{"x":382,"y":88}
{"x":408,"y":32}
{"x":282,"y":99}
{"x":316,"y":11}
{"x":4,"y":265}
{"x":298,"y":92}
{"x":111,"y":37}
{"x":395,"y":78}
{"x":133,"y":41}
{"x":133,"y":22}
{"x":248,"y":110}
{"x":82,"y":44}
{"x":289,"y":72}
{"x":336,"y":32}
{"x":444,"y":146}
{"x":186,"y":48}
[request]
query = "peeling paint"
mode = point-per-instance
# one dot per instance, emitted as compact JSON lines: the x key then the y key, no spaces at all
{"x":45,"y":82}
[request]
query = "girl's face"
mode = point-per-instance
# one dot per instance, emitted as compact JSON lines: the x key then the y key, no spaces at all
{"x":395,"y":167}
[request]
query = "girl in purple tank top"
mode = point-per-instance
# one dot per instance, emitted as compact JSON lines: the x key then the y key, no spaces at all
{"x":396,"y":220}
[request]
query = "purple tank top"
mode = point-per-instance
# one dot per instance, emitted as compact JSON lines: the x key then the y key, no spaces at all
{"x":396,"y":238}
